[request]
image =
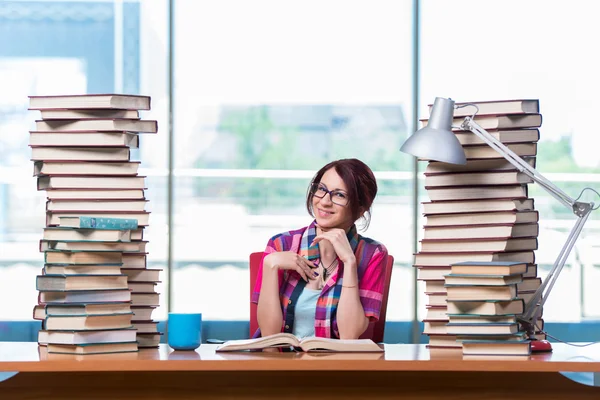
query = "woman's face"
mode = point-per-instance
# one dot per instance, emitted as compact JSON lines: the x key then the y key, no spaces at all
{"x":330,"y":202}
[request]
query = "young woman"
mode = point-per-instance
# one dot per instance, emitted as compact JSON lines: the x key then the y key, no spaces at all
{"x":325,"y":279}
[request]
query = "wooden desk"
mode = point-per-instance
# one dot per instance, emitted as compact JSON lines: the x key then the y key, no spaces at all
{"x":403,"y":371}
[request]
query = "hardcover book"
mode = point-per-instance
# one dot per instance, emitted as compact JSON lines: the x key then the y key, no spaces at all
{"x":80,"y":282}
{"x":41,"y":311}
{"x":494,"y":107}
{"x":83,"y":337}
{"x":99,"y":223}
{"x":477,"y":206}
{"x":82,"y":125}
{"x":92,"y":348}
{"x":91,"y":139}
{"x":89,"y":114}
{"x":306,"y":344}
{"x":85,"y":168}
{"x":87,"y":322}
{"x":90,"y":101}
{"x":80,"y":153}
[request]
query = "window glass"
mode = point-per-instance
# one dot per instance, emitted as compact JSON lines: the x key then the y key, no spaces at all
{"x":54,"y":47}
{"x":267,"y":93}
{"x":484,"y":50}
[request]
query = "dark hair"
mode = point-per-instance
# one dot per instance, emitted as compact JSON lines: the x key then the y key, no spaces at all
{"x":360,"y":182}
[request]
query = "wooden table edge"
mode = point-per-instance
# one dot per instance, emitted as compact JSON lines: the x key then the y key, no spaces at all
{"x":92,"y":365}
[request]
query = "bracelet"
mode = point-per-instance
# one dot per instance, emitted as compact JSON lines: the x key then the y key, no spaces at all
{"x":348,"y":286}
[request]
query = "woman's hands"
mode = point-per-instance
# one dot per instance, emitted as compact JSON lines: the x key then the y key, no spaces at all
{"x":338,"y":239}
{"x":292,"y":261}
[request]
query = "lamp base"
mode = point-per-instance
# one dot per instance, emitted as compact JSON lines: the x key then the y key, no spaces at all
{"x":540,"y":346}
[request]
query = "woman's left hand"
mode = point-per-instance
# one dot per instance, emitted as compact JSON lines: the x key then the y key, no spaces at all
{"x":338,"y":239}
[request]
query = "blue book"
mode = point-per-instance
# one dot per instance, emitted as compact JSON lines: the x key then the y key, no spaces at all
{"x":98,"y":223}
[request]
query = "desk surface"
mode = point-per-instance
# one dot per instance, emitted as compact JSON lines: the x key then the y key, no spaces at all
{"x":29,"y":357}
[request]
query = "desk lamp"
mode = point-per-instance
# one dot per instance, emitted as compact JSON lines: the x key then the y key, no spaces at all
{"x":436,"y":141}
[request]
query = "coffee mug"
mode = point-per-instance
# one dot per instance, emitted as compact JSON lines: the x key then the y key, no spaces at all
{"x":184,"y":331}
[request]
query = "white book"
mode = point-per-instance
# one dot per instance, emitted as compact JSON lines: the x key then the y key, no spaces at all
{"x":92,"y":296}
{"x":85,"y":168}
{"x":306,"y":344}
{"x":84,"y":337}
{"x":89,"y":114}
{"x":93,"y":194}
{"x":99,"y":235}
{"x":92,"y":139}
{"x":64,"y":125}
{"x":95,"y":205}
{"x":80,"y":153}
{"x":90,"y":101}
{"x":91,"y":182}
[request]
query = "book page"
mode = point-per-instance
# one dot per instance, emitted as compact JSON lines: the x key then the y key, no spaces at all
{"x":339,"y":345}
{"x":348,"y":342}
{"x":276,"y":340}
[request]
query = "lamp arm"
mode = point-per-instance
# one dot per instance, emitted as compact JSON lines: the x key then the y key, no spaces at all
{"x":533,"y":308}
{"x":514,"y":159}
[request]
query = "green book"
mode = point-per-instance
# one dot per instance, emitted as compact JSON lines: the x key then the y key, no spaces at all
{"x":98,"y":223}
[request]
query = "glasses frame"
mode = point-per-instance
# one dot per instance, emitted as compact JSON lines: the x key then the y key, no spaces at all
{"x":317,"y":185}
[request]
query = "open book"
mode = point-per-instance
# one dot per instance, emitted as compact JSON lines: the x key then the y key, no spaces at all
{"x":306,"y":344}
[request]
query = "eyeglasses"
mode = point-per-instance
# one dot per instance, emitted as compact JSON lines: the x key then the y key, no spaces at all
{"x":337,"y":196}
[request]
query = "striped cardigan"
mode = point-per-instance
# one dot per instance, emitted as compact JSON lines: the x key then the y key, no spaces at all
{"x":371,"y":258}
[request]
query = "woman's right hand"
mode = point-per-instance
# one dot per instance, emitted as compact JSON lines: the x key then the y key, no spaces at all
{"x":291,"y":261}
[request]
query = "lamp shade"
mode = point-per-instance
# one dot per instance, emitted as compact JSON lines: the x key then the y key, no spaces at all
{"x":436,"y":141}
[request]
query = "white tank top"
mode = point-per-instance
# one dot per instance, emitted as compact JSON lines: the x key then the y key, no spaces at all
{"x":304,"y":313}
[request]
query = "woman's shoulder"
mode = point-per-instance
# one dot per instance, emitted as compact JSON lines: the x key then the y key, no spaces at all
{"x":284,"y":240}
{"x":372,"y":243}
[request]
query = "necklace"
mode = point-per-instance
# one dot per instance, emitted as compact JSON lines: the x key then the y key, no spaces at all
{"x":327,"y":271}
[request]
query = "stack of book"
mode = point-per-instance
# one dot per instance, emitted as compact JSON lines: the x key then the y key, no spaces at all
{"x":89,"y":300}
{"x":480,"y":211}
{"x":483,"y":306}
{"x":144,"y":298}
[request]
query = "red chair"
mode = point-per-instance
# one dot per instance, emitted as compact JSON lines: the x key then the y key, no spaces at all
{"x":375,"y":330}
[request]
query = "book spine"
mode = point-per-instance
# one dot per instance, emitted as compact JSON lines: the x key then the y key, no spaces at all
{"x":107,"y":223}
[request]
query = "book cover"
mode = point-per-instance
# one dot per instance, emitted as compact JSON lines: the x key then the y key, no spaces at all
{"x":459,"y":206}
{"x":80,"y":153}
{"x":92,"y":348}
{"x":90,"y":101}
{"x":82,"y":125}
{"x":306,"y":344}
{"x":87,"y":322}
{"x":495,"y":107}
{"x":84,"y":296}
{"x":80,"y":282}
{"x":89,"y":114}
{"x":102,"y":223}
{"x":48,"y":167}
{"x":91,"y":139}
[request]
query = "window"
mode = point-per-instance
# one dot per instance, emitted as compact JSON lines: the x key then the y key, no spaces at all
{"x":71,"y":47}
{"x":267,"y":93}
{"x":520,"y":54}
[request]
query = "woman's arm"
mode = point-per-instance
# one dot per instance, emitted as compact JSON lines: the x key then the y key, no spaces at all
{"x":269,"y":314}
{"x":269,"y":311}
{"x":360,"y":302}
{"x":369,"y":290}
{"x":351,"y":319}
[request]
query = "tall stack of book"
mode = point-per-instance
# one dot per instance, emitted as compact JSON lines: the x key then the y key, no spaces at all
{"x":481,"y":211}
{"x":89,"y":300}
{"x":483,"y":306}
